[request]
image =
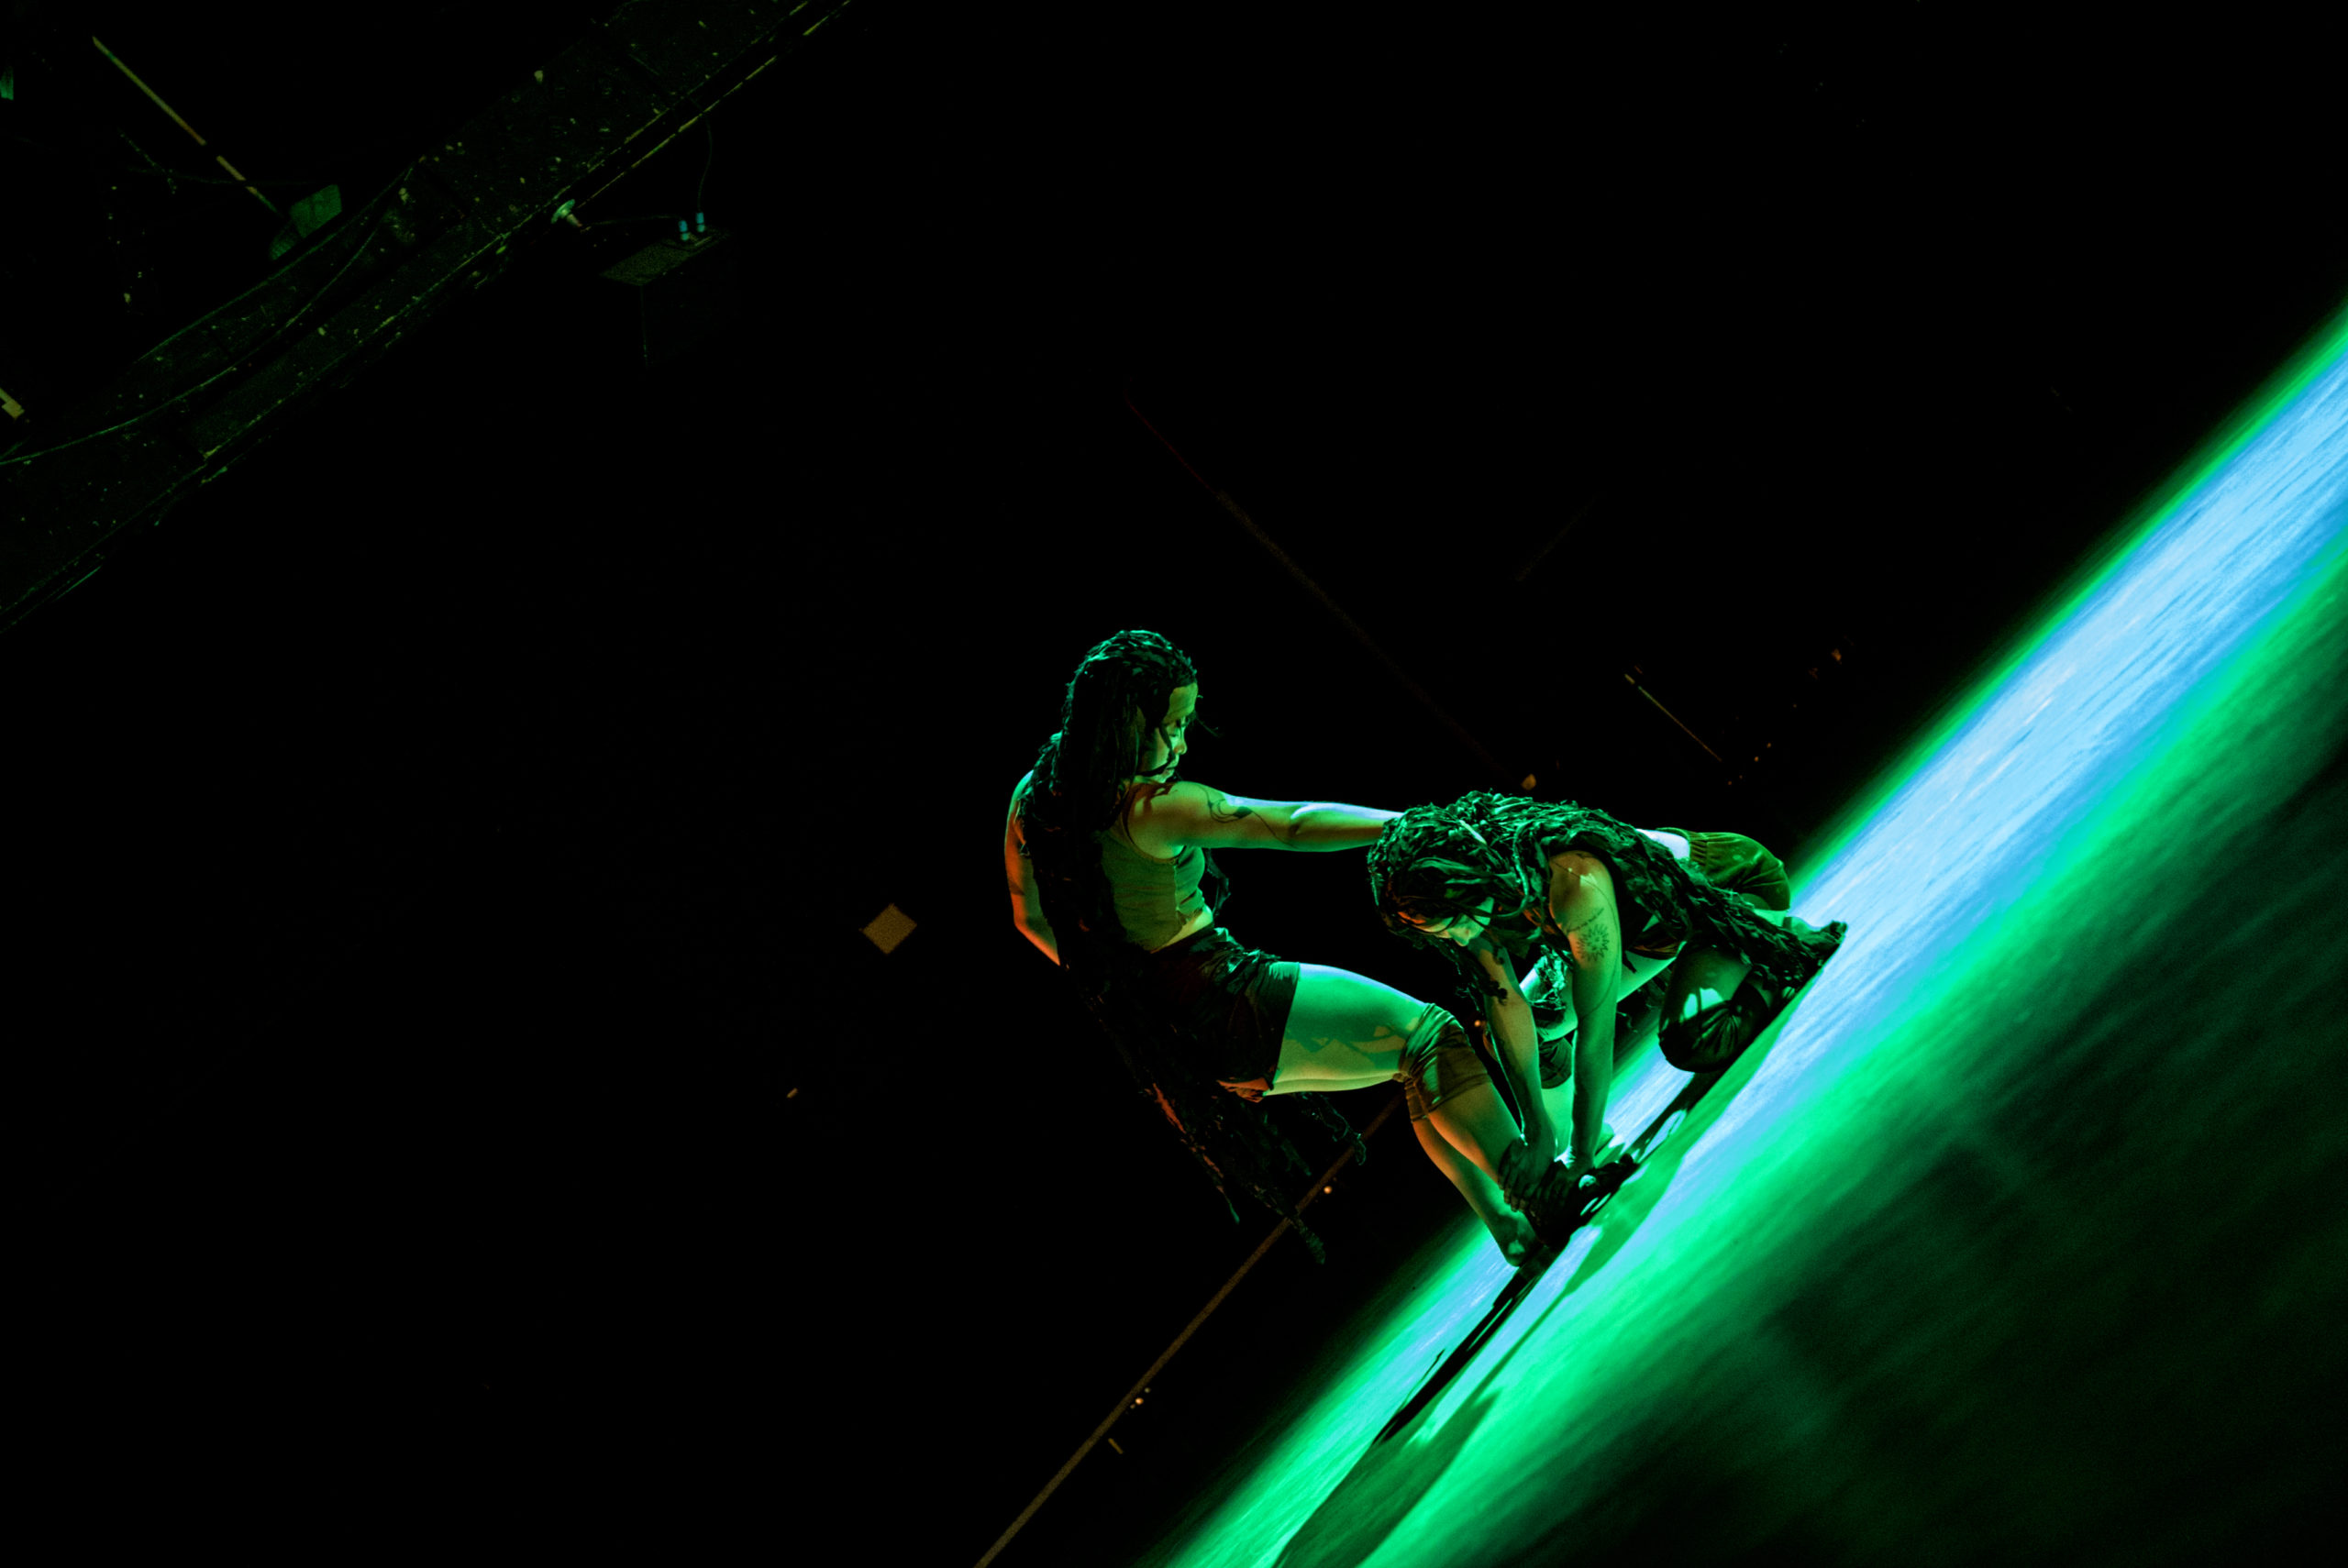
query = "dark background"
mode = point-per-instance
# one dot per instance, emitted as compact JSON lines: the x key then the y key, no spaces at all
{"x":455,"y":1097}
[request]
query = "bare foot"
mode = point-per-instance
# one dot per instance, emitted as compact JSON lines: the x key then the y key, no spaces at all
{"x":1513,"y":1233}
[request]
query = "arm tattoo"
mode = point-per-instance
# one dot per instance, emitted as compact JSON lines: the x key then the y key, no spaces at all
{"x":1221,"y":810}
{"x":1286,"y":830}
{"x":1588,"y":940}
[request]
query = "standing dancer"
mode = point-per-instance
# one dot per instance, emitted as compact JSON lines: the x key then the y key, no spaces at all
{"x":1105,"y":852}
{"x":1491,"y":879}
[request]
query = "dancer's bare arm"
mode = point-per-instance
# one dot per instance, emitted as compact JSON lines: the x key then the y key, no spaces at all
{"x":1199,"y":813}
{"x":1026,"y":906}
{"x":1581,"y":903}
{"x":1512,"y":1023}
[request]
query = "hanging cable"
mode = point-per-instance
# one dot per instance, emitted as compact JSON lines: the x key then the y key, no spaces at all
{"x":191,"y":130}
{"x":1361,"y":636}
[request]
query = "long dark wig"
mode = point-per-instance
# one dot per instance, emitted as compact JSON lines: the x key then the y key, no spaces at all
{"x":1114,"y":707}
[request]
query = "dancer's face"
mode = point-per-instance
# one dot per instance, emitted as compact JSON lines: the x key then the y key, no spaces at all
{"x":1462,"y":930}
{"x":1172,"y":737}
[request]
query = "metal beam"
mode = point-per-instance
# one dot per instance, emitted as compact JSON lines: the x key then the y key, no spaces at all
{"x":457,"y":216}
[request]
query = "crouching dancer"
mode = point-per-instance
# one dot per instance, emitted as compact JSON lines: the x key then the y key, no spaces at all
{"x":1111,"y":876}
{"x":1730,"y":862}
{"x":1495,"y":878}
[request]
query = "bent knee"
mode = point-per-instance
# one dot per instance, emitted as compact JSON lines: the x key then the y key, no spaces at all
{"x":1439,"y":1062}
{"x":1709,"y":1039}
{"x":1426,"y":1027}
{"x":1702,"y":979}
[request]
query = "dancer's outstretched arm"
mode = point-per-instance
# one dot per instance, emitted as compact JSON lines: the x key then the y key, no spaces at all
{"x":1200,"y":814}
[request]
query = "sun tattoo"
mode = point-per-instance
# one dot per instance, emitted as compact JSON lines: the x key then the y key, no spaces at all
{"x":1588,"y":940}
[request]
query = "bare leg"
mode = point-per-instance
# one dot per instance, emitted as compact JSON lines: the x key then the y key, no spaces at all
{"x":1477,"y":1122}
{"x":1511,"y":1230}
{"x":1703,"y":979}
{"x":1347,"y":1030}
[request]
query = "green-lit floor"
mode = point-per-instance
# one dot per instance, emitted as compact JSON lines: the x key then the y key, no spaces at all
{"x":2021,"y":1237}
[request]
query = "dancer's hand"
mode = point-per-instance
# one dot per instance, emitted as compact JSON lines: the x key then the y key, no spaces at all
{"x":1609,"y":1147}
{"x":1541,"y":1141}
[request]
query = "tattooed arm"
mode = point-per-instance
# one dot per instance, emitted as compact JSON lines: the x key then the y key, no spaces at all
{"x":1581,"y":905}
{"x":1517,"y":1045}
{"x":1199,"y":813}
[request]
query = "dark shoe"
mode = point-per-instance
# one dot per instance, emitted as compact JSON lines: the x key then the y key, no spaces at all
{"x":1557,"y":1202}
{"x":1819,"y":943}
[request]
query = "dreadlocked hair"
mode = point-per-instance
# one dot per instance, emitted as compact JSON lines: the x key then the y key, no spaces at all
{"x":1114,"y":708}
{"x":1441,"y":863}
{"x":1436,"y":864}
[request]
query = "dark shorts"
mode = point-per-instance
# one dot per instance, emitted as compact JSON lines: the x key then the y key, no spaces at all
{"x":1230,"y":1003}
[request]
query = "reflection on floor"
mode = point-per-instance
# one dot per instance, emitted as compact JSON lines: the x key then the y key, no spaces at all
{"x":2013,"y":1238}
